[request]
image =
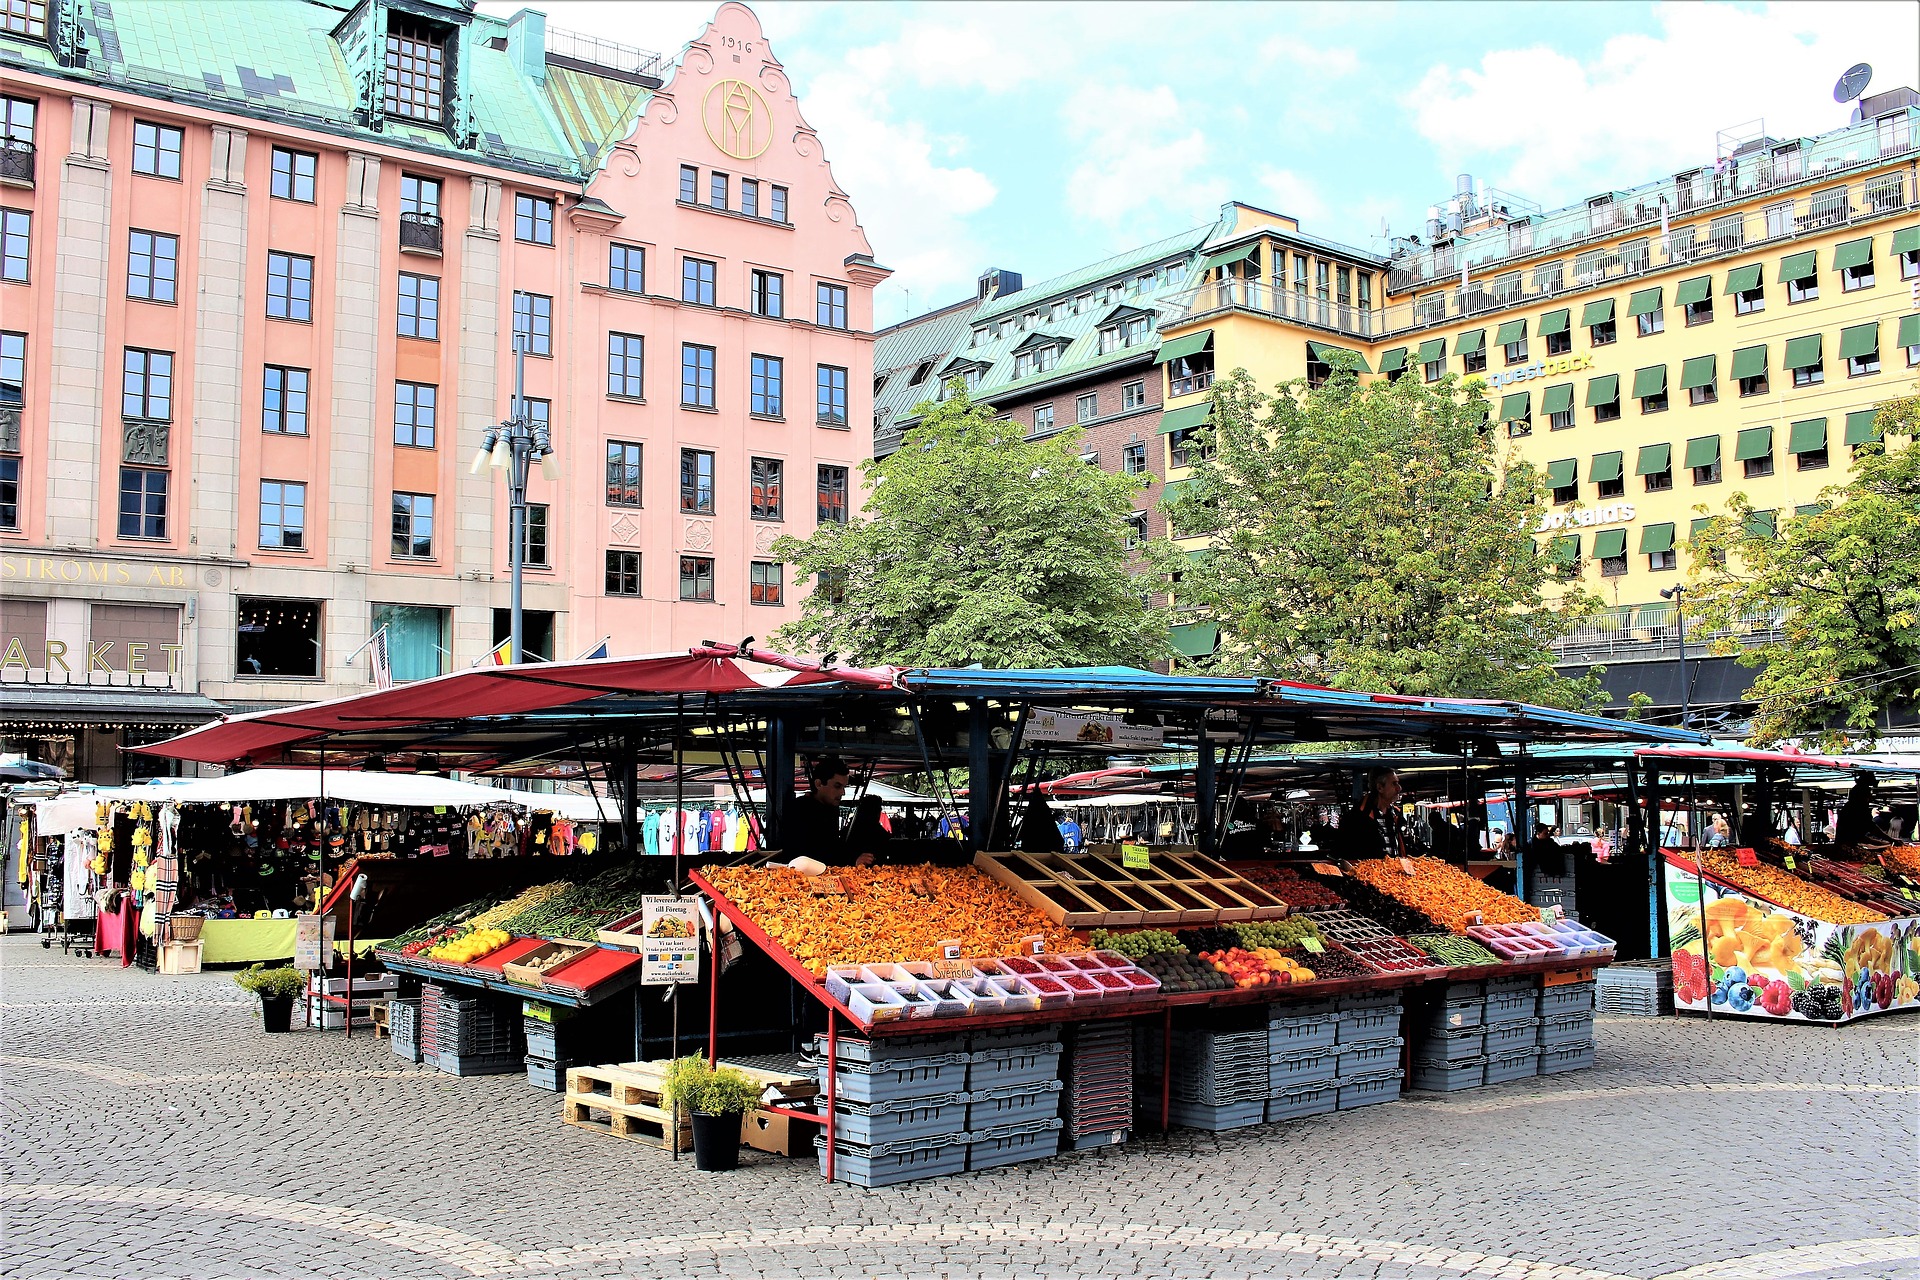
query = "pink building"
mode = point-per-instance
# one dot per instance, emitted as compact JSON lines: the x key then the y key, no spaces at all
{"x":262,"y":265}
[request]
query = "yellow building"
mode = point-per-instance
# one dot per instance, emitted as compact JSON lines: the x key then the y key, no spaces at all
{"x":1726,"y":329}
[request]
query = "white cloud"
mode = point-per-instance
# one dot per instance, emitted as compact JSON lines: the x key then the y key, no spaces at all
{"x":1289,"y":193}
{"x":1644,"y":105}
{"x":1299,"y":56}
{"x":1142,"y":151}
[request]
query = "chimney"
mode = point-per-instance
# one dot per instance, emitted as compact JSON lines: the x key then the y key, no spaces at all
{"x":997,"y":282}
{"x":527,"y":43}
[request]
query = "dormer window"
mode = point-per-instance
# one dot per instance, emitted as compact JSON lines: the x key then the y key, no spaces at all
{"x":416,"y":70}
{"x":24,"y":18}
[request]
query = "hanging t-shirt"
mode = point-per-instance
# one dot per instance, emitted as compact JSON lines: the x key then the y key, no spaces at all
{"x":650,"y":834}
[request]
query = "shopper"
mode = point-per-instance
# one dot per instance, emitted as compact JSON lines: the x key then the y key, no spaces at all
{"x":1039,"y":832}
{"x":811,"y":825}
{"x":1371,"y":829}
{"x":867,"y":835}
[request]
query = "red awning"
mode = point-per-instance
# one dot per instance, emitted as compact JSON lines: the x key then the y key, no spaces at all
{"x":1746,"y":755}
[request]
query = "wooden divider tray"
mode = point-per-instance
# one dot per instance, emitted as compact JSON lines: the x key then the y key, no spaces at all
{"x":1094,"y":889}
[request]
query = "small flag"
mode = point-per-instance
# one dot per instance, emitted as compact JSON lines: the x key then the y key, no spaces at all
{"x":598,"y":651}
{"x":379,"y":660}
{"x":500,"y":655}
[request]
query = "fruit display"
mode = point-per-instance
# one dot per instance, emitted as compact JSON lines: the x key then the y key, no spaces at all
{"x":1391,"y":955}
{"x":468,"y":947}
{"x":1279,"y":934}
{"x":1395,"y":916}
{"x":1292,"y":888}
{"x":1263,"y":967}
{"x":1344,"y":925}
{"x":1448,"y":949}
{"x":1139,"y":944}
{"x":1208,"y":938}
{"x":1337,"y":962}
{"x":1903,"y":858}
{"x":903,"y":912}
{"x":1181,"y":971}
{"x":1785,"y":889}
{"x":1444,"y":892}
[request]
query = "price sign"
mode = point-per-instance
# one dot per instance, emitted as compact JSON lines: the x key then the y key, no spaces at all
{"x":1033,"y":944}
{"x":1325,"y":869}
{"x":1406,"y":864}
{"x":1134,"y":856}
{"x":670,"y":941}
{"x":950,"y":949}
{"x":1788,"y":859}
{"x":1313,"y":945}
{"x":1472,"y":918}
{"x":312,"y":946}
{"x":1746,"y":857}
{"x":1549,"y":915}
{"x":439,"y":808}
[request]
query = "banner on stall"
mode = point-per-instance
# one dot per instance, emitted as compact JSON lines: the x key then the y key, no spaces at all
{"x":1091,"y":730}
{"x":670,"y":941}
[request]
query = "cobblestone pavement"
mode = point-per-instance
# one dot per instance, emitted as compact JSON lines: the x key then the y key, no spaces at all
{"x":152,"y":1130}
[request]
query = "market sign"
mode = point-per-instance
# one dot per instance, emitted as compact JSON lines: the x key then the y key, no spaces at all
{"x":1539,"y":369}
{"x":1586,"y":517}
{"x":670,"y":941}
{"x":1091,"y":730}
{"x":313,"y":947}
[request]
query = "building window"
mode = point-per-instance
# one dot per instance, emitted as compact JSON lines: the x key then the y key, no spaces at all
{"x":416,"y":72}
{"x":627,"y":268}
{"x":419,"y":213}
{"x":13,"y":360}
{"x":623,"y":473}
{"x":1755,"y":468}
{"x":766,"y":479}
{"x":533,"y":322}
{"x":290,"y":287}
{"x":1659,"y":481}
{"x":293,"y":173}
{"x":777,"y":204}
{"x":1756,"y":385}
{"x":156,"y":149}
{"x":1707,"y":473}
{"x":16,"y":243}
{"x":623,"y":573}
{"x":766,"y":377}
{"x":750,"y":197}
{"x":1910,"y":265}
{"x":153,"y":265}
{"x":413,"y":526}
{"x":765,"y":583}
{"x":1086,"y":408}
{"x":1614,"y":488}
{"x":1860,"y":348}
{"x":24,"y":18}
{"x":696,"y":481}
{"x":1434,"y":370}
{"x":689,"y":184}
{"x":419,"y":309}
{"x":1613,"y":566}
{"x":1700,"y":312}
{"x":1663,"y":561}
{"x":9,"y":491}
{"x":1651,"y":322}
{"x":831,"y":495}
{"x":143,"y":502}
{"x":146,"y":385}
{"x":16,"y":136}
{"x":1811,"y":459}
{"x":417,"y":647}
{"x":283,"y":401}
{"x":536,"y":535}
{"x":1136,"y":535}
{"x":696,"y":376}
{"x":1608,"y":412}
{"x":1811,"y":375}
{"x":696,"y":577}
{"x":283,"y":515}
{"x":1708,"y":394}
{"x":1515,"y":352}
{"x":625,"y":365}
{"x":830,"y":306}
{"x":696,"y":281}
{"x":1749,"y":301}
{"x":1133,"y":395}
{"x":1805,"y":289}
{"x":830,"y":396}
{"x":415,"y":411}
{"x":716,"y":191}
{"x":1602,"y":334}
{"x":1043,"y":417}
{"x":277,"y":638}
{"x":1133,"y":459}
{"x":533,"y":219}
{"x":1568,"y":492}
{"x":1857,"y":277}
{"x":769,"y":294}
{"x":1561,"y":343}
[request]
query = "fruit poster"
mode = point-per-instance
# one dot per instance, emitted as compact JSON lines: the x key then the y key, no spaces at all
{"x":670,"y":947}
{"x":1757,"y":960}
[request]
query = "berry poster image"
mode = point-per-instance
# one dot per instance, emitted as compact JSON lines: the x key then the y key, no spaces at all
{"x":1763,"y":961}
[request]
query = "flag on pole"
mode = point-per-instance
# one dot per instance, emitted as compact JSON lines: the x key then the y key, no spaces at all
{"x":502,"y":655}
{"x":379,"y":659}
{"x":598,"y":651}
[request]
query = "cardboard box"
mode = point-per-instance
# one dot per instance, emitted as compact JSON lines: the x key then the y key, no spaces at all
{"x":781,"y":1135}
{"x":180,"y":957}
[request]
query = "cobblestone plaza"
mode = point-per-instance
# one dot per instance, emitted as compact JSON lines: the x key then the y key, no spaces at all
{"x":152,"y":1130}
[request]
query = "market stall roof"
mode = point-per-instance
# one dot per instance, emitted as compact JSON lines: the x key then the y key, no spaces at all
{"x":399,"y":790}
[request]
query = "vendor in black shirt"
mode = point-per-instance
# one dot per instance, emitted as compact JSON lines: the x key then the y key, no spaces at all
{"x":811,"y":825}
{"x":1371,"y":829}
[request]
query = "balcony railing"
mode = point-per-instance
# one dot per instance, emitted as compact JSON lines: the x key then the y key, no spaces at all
{"x":1193,"y":383}
{"x":16,"y":162}
{"x":420,"y":232}
{"x":1262,"y":298}
{"x":1649,"y":632}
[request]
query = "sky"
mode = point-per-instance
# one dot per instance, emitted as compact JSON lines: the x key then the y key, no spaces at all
{"x":1038,"y":137}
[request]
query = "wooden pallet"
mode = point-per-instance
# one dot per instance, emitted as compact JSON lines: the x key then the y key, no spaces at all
{"x":1095,"y":889}
{"x":381,"y":1030}
{"x":629,"y":1084}
{"x":645,"y":1125}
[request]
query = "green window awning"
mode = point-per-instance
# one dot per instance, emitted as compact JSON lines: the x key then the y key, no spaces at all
{"x":1643,"y":301}
{"x":1511,"y":331}
{"x":1809,"y":435}
{"x":1750,"y":362}
{"x":1186,"y":417}
{"x":1598,"y":312}
{"x":1563,"y":473}
{"x":1603,"y":390}
{"x":1802,"y":353}
{"x":1175,"y":489}
{"x":1859,"y":340}
{"x":1196,"y":639}
{"x":1433,"y":349}
{"x":1853,"y":253}
{"x":1340,"y":357}
{"x":1555,"y":321}
{"x":1393,"y":361}
{"x":1199,"y":555}
{"x":1606,"y":466}
{"x":1799,"y":266}
{"x":1187,"y":344}
{"x":1227,"y":257}
{"x":1700,"y":525}
{"x":1762,"y":524}
{"x":1470,"y":342}
{"x":1655,"y":460}
{"x":1754,"y":442}
{"x":1906,"y":240}
{"x":1697,"y":372}
{"x":1516,"y":406}
{"x":1809,"y":509}
{"x":1744,"y":279}
{"x":1566,"y":549}
{"x":1910,"y":330}
{"x":1558,"y":399}
{"x":1650,"y":381}
{"x":1703,"y":451}
{"x":1656,"y":538}
{"x":1609,"y":543}
{"x":1688,"y":292}
{"x":1861,"y":427}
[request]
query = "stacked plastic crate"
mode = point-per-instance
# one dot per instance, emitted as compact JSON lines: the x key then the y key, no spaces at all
{"x":1367,"y":1036}
{"x":430,"y":994}
{"x":1013,"y":1096}
{"x":900,"y":1108}
{"x":553,"y":1044}
{"x":1303,"y":1062}
{"x":474,"y":1036}
{"x":1099,"y":1101}
{"x":1635,"y":988}
{"x":1450,"y":1040}
{"x":1566,"y":1027}
{"x":1219,"y":1073}
{"x":1512,"y":1028}
{"x":403,"y":1028}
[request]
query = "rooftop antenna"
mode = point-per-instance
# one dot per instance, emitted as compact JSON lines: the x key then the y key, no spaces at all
{"x":1851,"y":84}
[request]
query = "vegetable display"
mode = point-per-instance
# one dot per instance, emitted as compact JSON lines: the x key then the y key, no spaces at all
{"x":1448,"y":949}
{"x":1292,"y":888}
{"x":1785,"y":889}
{"x":469,"y":947}
{"x":1444,"y":892}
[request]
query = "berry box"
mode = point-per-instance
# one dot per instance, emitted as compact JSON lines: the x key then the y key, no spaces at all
{"x":895,"y":972}
{"x":1025,"y":966}
{"x":1081,"y":985}
{"x":1055,"y":964}
{"x":1139,"y":981}
{"x":990,"y":969}
{"x":1515,"y":942}
{"x":876,"y":1002}
{"x":1088,"y":961}
{"x":950,"y":998}
{"x":1111,"y":983}
{"x":1018,"y":995}
{"x":1113,"y":959}
{"x":1049,"y":992}
{"x":841,"y":980}
{"x":982,"y":996}
{"x":916,"y":1002}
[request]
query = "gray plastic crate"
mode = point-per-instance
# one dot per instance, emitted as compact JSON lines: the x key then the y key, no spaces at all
{"x":894,"y":1049}
{"x":1369,"y":1000}
{"x":1303,"y":1101}
{"x":1566,"y":1057}
{"x":1503,"y":1036}
{"x":1627,"y":1003}
{"x":905,"y":1078}
{"x":1514,"y":1064}
{"x":993,"y":1108}
{"x":1302,"y":1009}
{"x":1511,"y":1006}
{"x":1449,"y":992}
{"x":1289,"y":1071}
{"x":1012,"y":1144}
{"x":1013,"y":1038}
{"x":871,"y":1123}
{"x":1307,"y":1032}
{"x":1450,"y":1046}
{"x":894,"y":1162}
{"x":1445,"y":1077}
{"x":467,"y":1064}
{"x":1367,"y":1090}
{"x":403,"y":1029}
{"x":1452,"y":1015}
{"x":1574,"y":997}
{"x":1515,"y":982}
{"x":1004,"y":1068}
{"x":1361,"y":1060}
{"x":1573,"y":1028}
{"x":1358,"y":1026}
{"x":1217,"y":1118}
{"x":1098,"y":1138}
{"x":548,"y":1073}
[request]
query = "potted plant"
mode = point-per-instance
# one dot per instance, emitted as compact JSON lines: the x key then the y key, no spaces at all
{"x":276,"y":989}
{"x":717,"y":1097}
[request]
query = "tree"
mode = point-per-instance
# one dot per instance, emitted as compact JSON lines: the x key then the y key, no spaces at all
{"x":1845,"y":577}
{"x":1371,"y":538}
{"x":978,"y":545}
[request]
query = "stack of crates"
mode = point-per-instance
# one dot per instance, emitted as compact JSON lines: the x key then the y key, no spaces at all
{"x":1450,"y":1042}
{"x":1099,"y":1084}
{"x":1367,"y":1036}
{"x":1013,"y":1096}
{"x":1220,"y":1075}
{"x":430,"y":995}
{"x":1303,"y":1062}
{"x":403,"y":1028}
{"x":1566,"y":1027}
{"x":900,"y":1108}
{"x":1513,"y":1028}
{"x":475,"y":1036}
{"x":553,"y":1044}
{"x":1635,"y":988}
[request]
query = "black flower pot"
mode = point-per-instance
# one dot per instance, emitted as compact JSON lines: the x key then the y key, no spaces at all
{"x":716,"y":1141}
{"x":277,"y":1012}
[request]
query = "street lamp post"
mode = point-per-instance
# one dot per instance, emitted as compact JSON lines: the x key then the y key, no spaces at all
{"x":1676,"y":593}
{"x":512,"y":446}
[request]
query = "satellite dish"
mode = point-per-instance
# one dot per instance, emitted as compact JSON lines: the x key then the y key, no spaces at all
{"x":1853,"y":83}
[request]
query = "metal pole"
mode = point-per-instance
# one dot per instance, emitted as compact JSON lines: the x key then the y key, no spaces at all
{"x":1677,"y":593}
{"x":1699,"y":880}
{"x":520,"y":446}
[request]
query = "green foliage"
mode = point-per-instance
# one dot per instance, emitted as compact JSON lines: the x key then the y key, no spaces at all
{"x":1358,"y":538}
{"x":272,"y":984}
{"x":978,"y":545}
{"x":718,"y":1091}
{"x":1847,"y":578}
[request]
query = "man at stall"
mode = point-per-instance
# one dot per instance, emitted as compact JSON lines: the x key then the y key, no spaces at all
{"x":1855,"y":825}
{"x":1371,"y":829}
{"x":811,"y":826}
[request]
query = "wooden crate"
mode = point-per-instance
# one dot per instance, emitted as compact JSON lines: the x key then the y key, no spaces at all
{"x":549,"y":956}
{"x":1096,"y":889}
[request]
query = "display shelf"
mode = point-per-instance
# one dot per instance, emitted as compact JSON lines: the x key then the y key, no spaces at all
{"x":477,"y":976}
{"x":1098,"y":890}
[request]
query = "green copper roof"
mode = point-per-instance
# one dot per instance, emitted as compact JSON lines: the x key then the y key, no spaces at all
{"x":1146,"y":255}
